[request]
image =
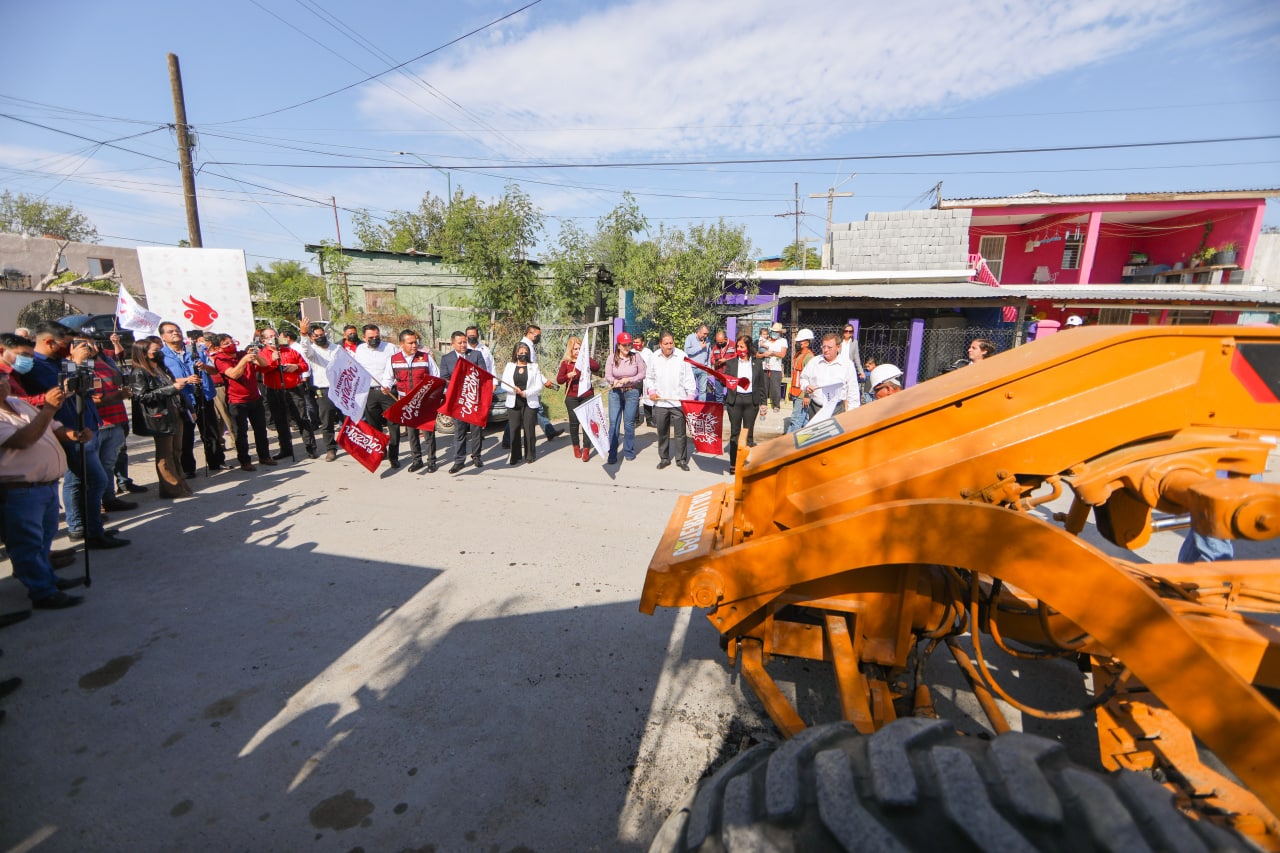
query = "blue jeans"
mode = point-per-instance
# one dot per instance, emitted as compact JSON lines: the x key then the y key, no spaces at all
{"x":108,"y":452}
{"x":622,"y":421}
{"x":29,"y":516}
{"x":86,"y":458}
{"x":122,"y":467}
{"x":700,"y":378}
{"x":799,"y":416}
{"x":1205,"y":549}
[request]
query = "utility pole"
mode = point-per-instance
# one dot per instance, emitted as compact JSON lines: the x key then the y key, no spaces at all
{"x":797,"y":213}
{"x":184,"y":153}
{"x":336,"y":225}
{"x":831,"y":195}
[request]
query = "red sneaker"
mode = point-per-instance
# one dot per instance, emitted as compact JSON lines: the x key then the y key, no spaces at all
{"x":586,"y":454}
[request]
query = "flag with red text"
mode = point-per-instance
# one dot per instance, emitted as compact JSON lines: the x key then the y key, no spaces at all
{"x":704,"y":423}
{"x":418,"y":408}
{"x":469,"y":395}
{"x":365,"y":444}
{"x":132,"y":316}
{"x":730,"y":382}
{"x":594,"y":423}
{"x":348,"y":384}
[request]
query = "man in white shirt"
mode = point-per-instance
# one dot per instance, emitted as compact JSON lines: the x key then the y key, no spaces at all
{"x":667,"y":381}
{"x":373,"y":355}
{"x":776,"y":352}
{"x":533,"y":338}
{"x":474,"y":343}
{"x":316,"y":349}
{"x":827,"y":370}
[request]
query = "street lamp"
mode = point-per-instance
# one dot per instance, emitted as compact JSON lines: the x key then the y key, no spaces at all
{"x":448,"y":176}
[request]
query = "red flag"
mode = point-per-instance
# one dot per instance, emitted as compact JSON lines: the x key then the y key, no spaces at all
{"x":730,"y":382}
{"x":418,"y":408}
{"x":704,"y":423}
{"x":365,"y":444}
{"x":470,"y":394}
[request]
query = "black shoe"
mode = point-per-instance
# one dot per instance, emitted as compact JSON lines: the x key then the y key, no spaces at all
{"x":57,"y":601}
{"x":190,"y":475}
{"x":99,"y":543}
{"x":457,"y":466}
{"x":663,"y":464}
{"x":312,"y":452}
{"x":513,"y":461}
{"x":506,"y":445}
{"x":117,"y":505}
{"x":431,"y":467}
{"x":417,"y":466}
{"x":751,"y":442}
{"x":733,"y":469}
{"x":393,"y":463}
{"x":75,"y":535}
{"x":70,"y":583}
{"x":682,"y":465}
{"x":131,"y":487}
{"x":479,"y":463}
{"x":279,"y":456}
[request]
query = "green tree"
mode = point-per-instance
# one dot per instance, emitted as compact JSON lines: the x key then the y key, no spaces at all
{"x":812,"y":260}
{"x":277,"y":290}
{"x":404,"y":229}
{"x":589,"y":268}
{"x":679,"y":279}
{"x":35,"y":217}
{"x":489,"y":242}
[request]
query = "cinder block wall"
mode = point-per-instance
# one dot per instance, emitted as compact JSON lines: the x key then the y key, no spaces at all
{"x":902,"y":240}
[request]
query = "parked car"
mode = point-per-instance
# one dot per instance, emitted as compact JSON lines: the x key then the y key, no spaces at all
{"x":497,"y":414}
{"x":99,"y":327}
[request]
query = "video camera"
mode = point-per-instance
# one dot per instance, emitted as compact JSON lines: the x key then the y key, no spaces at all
{"x":78,"y":378}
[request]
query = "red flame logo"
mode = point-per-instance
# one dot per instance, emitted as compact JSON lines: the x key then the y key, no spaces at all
{"x":199,"y":313}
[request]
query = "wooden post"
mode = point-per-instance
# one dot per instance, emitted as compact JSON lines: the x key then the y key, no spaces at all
{"x":184,"y":154}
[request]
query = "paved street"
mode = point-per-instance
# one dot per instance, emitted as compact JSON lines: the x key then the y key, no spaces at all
{"x":314,"y":657}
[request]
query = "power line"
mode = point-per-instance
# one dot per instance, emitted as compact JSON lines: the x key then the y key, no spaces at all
{"x":1054,"y":149}
{"x":387,"y":71}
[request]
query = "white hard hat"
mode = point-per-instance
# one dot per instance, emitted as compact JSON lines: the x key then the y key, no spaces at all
{"x":883,"y":373}
{"x":804,"y":335}
{"x":1075,"y":320}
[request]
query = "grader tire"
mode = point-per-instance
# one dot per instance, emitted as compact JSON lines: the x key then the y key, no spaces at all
{"x":918,"y":785}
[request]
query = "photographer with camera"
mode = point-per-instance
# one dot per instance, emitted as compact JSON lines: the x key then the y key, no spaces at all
{"x":240,"y":368}
{"x":61,"y":364}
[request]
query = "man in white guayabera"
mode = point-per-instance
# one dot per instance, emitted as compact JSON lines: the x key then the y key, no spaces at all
{"x":466,"y":437}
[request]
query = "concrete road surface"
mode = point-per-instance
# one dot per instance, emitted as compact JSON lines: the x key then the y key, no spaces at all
{"x":313,"y":657}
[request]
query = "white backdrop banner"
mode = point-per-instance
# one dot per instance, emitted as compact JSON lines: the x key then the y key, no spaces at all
{"x":199,"y":289}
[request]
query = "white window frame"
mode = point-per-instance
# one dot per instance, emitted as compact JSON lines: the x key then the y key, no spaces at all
{"x":1071,"y":252}
{"x":995,"y":261}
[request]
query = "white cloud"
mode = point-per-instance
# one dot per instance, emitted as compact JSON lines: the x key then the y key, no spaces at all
{"x":677,"y":78}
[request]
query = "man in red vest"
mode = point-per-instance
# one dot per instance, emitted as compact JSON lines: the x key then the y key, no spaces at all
{"x":406,"y":368}
{"x":283,"y":376}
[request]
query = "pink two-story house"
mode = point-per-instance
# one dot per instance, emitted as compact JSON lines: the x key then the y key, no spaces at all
{"x":1141,"y":258}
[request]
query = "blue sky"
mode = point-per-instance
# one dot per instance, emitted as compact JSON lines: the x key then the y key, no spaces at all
{"x":663,"y":82}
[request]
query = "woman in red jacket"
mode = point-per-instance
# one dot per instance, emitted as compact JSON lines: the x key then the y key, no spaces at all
{"x":568,"y":375}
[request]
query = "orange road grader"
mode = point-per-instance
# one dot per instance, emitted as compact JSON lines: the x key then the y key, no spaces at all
{"x":871,"y":540}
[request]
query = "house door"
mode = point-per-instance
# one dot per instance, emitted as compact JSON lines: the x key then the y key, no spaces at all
{"x":992,"y":251}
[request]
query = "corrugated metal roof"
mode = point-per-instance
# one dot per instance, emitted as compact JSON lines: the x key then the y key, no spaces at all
{"x":919,"y":290}
{"x":1036,"y":197}
{"x":1068,"y":296}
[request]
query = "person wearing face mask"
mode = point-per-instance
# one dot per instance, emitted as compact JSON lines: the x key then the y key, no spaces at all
{"x":283,"y":376}
{"x":408,"y":367}
{"x":774,"y":354}
{"x":240,"y":369}
{"x":743,"y":406}
{"x":350,"y":338}
{"x":532,"y":339}
{"x":373,"y":356}
{"x":318,"y":351}
{"x":157,"y":412}
{"x":524,"y":383}
{"x":17,"y":351}
{"x":467,"y":437}
{"x":474,"y":343}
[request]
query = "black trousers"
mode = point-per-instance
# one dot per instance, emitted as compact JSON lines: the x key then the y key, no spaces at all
{"x":524,"y":431}
{"x":210,"y":426}
{"x":253,"y":415}
{"x":815,"y":407}
{"x":188,"y":452}
{"x":287,"y":404}
{"x":665,"y":419}
{"x":415,"y":443}
{"x":328,"y":420}
{"x":467,"y":438}
{"x":375,"y":408}
{"x":575,"y":428}
{"x":742,"y":413}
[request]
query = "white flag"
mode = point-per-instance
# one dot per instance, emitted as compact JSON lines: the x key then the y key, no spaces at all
{"x":348,"y":383}
{"x":199,"y":288}
{"x":132,"y":316}
{"x":583,"y":365}
{"x":594,"y":423}
{"x":831,"y":394}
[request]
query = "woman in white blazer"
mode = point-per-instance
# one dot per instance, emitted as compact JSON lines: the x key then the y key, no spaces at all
{"x":524,"y":383}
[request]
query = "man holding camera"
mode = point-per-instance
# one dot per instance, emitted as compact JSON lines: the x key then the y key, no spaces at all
{"x":61,"y":362}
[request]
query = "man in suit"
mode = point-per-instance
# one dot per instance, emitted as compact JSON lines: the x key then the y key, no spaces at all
{"x":464,"y":434}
